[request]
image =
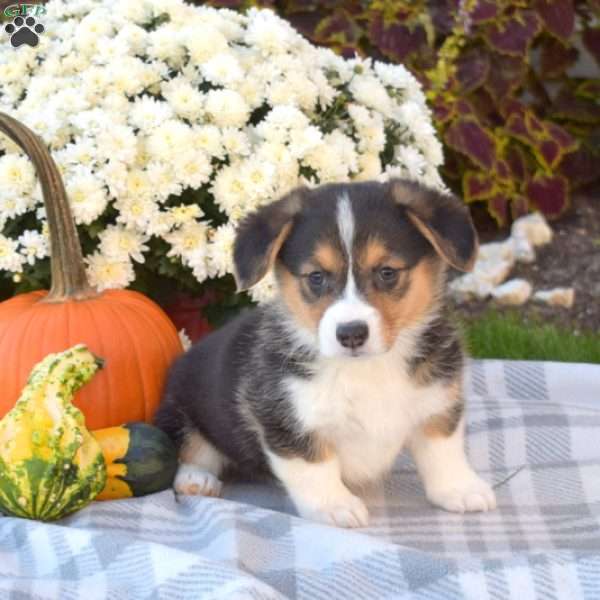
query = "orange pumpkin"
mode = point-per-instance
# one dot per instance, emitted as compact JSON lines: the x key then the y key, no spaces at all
{"x":134,"y":336}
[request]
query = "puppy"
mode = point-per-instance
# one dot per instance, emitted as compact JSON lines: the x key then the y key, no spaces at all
{"x":354,"y":359}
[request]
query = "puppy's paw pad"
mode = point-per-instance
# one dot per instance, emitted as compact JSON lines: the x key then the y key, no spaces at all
{"x":473,"y":495}
{"x":350,"y":512}
{"x":192,"y":481}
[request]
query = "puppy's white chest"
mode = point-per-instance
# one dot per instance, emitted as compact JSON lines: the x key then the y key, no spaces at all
{"x":366,"y":410}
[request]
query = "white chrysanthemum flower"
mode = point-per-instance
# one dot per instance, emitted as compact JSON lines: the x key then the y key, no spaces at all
{"x":10,"y":259}
{"x":135,"y":212}
{"x":118,"y":142}
{"x":295,"y":89}
{"x":220,"y":251}
{"x":399,"y":77}
{"x":194,"y":170}
{"x":164,"y":43}
{"x":368,"y":90}
{"x":279,"y":121}
{"x":138,"y":184}
{"x":34,"y":245}
{"x":128,"y":75}
{"x":235,"y":142}
{"x":169,"y":141}
{"x":369,"y":166}
{"x":164,"y":180}
{"x":81,"y":152}
{"x":265,"y":290}
{"x":222,"y":69}
{"x":230,"y":191}
{"x":148,"y":112}
{"x":122,"y":244}
{"x":12,"y":205}
{"x":95,"y":81}
{"x":259,"y":178}
{"x":411,"y":159}
{"x":185,"y":213}
{"x":106,"y":273}
{"x":304,"y":140}
{"x":17,"y":175}
{"x":94,"y":25}
{"x":334,"y":158}
{"x":87,"y":196}
{"x":114,"y":175}
{"x":226,"y":108}
{"x":185,"y":100}
{"x":203,"y":42}
{"x":134,"y":36}
{"x":209,"y":139}
{"x":94,"y":121}
{"x":136,"y":12}
{"x":115,"y":103}
{"x":160,"y":224}
{"x":269,"y":33}
{"x":421,"y":128}
{"x":432,"y":150}
{"x":252,"y":91}
{"x":433,"y":179}
{"x":189,"y":242}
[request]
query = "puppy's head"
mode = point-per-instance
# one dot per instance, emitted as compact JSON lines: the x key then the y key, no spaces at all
{"x":357,"y":263}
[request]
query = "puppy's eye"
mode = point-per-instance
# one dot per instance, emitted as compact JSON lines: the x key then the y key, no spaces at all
{"x":388,"y":275}
{"x":316,"y":279}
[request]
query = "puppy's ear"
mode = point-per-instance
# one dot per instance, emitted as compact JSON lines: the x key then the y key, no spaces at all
{"x":442,"y":219}
{"x":260,"y":237}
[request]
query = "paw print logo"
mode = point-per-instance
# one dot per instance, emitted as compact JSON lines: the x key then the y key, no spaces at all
{"x":24,"y":31}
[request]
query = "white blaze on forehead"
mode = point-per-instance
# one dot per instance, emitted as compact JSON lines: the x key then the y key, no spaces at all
{"x":345,"y":221}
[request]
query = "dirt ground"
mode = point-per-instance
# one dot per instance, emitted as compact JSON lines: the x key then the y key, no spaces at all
{"x":572,"y":259}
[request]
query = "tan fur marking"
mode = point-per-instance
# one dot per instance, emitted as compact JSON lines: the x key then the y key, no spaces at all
{"x":445,"y":424}
{"x":375,"y":254}
{"x":321,"y":451}
{"x":307,"y":314}
{"x":409,"y":309}
{"x":328,"y":257}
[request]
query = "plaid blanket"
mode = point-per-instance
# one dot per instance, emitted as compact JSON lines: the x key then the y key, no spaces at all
{"x":533,"y":430}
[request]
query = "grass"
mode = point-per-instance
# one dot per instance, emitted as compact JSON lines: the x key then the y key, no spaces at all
{"x":507,"y":336}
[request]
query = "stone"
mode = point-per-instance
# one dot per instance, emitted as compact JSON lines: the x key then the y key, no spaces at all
{"x":556,"y":297}
{"x":493,"y":271}
{"x":523,"y":250}
{"x":514,"y":292}
{"x":495,"y":251}
{"x":533,"y":228}
{"x":494,"y":262}
{"x":468,"y":287}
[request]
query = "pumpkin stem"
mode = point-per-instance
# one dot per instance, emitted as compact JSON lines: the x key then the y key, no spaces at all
{"x":69,"y":279}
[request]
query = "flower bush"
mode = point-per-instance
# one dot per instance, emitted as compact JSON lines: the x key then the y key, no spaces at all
{"x":169,"y":122}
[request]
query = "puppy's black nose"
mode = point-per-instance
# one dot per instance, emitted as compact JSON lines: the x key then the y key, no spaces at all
{"x":352,"y":334}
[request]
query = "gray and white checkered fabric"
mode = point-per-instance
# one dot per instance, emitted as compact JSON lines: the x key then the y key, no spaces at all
{"x":533,"y":430}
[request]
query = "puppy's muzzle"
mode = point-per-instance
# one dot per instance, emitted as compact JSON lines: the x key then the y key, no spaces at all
{"x":352,"y":334}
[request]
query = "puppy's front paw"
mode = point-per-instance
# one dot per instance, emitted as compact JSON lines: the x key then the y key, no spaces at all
{"x":347,"y":511}
{"x":467,"y":493}
{"x":194,"y":481}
